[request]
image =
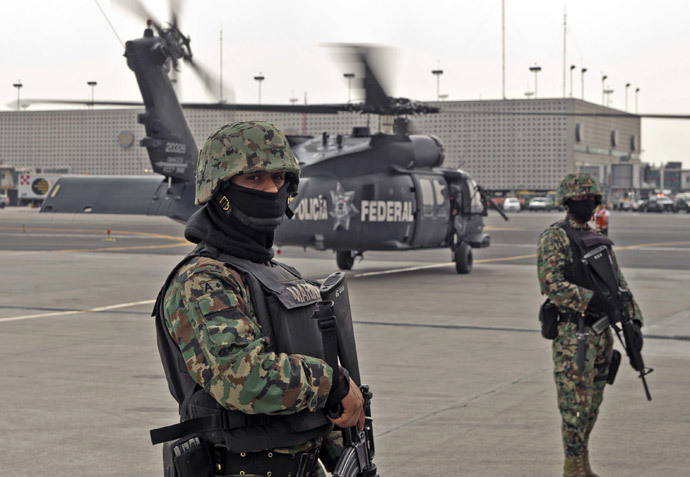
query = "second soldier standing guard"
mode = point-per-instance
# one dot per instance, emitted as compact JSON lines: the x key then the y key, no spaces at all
{"x":242,"y":355}
{"x":580,"y":380}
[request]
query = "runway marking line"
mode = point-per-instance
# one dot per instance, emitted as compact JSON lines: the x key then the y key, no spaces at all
{"x":95,"y":231}
{"x":133,"y":247}
{"x":358,"y":275}
{"x":503,"y":259}
{"x":179,"y":240}
{"x":76,"y":312}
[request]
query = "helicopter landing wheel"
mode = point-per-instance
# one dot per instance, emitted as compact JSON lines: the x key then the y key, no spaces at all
{"x":345,"y":259}
{"x":463,"y":258}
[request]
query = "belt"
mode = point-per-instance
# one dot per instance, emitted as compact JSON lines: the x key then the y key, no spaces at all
{"x":268,"y":463}
{"x":575,"y":318}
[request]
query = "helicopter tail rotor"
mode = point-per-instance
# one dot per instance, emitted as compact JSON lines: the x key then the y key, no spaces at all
{"x":177,"y":45}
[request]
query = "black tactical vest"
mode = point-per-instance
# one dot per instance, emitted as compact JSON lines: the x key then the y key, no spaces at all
{"x":581,"y":242}
{"x":284,"y":304}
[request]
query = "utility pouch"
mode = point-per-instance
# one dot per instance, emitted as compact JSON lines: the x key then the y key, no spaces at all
{"x":192,"y":458}
{"x":548,"y":317}
{"x":613,"y":367}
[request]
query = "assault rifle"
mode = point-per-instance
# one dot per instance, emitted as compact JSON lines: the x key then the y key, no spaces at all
{"x":357,"y":459}
{"x":616,"y":300}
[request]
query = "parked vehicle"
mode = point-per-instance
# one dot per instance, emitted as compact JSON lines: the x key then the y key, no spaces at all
{"x":681,"y":204}
{"x":540,"y":204}
{"x":636,"y":205}
{"x":511,"y":204}
{"x":658,"y":204}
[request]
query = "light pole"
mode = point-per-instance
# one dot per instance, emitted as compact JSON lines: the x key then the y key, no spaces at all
{"x":572,"y":67}
{"x":603,"y":100}
{"x":438,"y":72}
{"x":349,"y":77}
{"x":582,"y":81}
{"x":18,"y":85}
{"x":93,"y":86}
{"x":259,"y":79}
{"x":637,"y":90}
{"x":535,"y":69}
{"x":608,"y":93}
{"x":627,"y":85}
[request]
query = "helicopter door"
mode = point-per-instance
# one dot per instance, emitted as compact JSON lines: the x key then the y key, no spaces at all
{"x":433,"y":209}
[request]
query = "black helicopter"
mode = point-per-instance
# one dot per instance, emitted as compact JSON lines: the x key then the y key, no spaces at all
{"x":357,"y":193}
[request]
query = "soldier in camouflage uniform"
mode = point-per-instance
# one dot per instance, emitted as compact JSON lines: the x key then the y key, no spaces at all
{"x":560,"y":273}
{"x":260,"y":410}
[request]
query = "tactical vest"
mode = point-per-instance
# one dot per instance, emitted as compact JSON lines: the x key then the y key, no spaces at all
{"x":284,"y":304}
{"x":581,"y":242}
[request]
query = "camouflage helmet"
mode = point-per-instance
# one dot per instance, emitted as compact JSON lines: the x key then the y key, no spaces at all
{"x":242,"y":148}
{"x":577,"y":183}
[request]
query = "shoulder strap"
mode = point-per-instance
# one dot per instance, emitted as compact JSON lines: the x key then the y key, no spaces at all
{"x":574,"y":238}
{"x":256,"y":292}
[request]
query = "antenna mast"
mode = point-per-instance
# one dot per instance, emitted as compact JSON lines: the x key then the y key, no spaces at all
{"x":564,"y":37}
{"x":220,"y":94}
{"x":503,"y":44}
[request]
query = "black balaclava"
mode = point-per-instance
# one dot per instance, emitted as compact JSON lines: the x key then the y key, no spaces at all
{"x":260,"y":211}
{"x":581,"y":210}
{"x":240,"y":221}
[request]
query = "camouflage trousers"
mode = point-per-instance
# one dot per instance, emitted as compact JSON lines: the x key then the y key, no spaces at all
{"x":580,"y":394}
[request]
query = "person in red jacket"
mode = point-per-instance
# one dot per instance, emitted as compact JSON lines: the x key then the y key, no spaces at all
{"x":601,"y":217}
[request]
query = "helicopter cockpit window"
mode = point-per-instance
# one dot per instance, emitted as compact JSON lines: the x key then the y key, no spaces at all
{"x":476,"y":206}
{"x":439,"y":192}
{"x":441,"y":197}
{"x":427,"y":197}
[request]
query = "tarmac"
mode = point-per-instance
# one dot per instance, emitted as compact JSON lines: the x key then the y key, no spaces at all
{"x":462,"y":379}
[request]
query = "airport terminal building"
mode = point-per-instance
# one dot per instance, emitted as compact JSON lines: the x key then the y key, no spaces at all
{"x":505,"y":144}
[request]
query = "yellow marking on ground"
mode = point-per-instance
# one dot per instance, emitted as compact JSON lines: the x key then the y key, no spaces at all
{"x":499,"y":259}
{"x":94,"y":231}
{"x":133,"y":247}
{"x":496,"y":227}
{"x":180,"y":240}
{"x":505,"y":259}
{"x":658,"y":244}
{"x":76,"y":312}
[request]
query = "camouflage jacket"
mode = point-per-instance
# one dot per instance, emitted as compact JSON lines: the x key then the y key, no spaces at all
{"x":209,"y":314}
{"x":553,"y":256}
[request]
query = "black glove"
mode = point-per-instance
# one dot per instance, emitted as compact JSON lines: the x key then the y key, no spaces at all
{"x":339,"y":390}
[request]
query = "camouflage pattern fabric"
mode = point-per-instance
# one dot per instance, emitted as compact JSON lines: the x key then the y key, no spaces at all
{"x":553,"y":256}
{"x":241,"y":148}
{"x":209,"y":314}
{"x":577,"y":183}
{"x":579,"y":394}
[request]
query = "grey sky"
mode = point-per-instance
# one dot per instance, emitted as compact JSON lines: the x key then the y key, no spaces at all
{"x":56,"y":46}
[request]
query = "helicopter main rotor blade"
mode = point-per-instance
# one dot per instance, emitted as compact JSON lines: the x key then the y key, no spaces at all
{"x":78,"y":102}
{"x":175,"y":9}
{"x":212,"y":85}
{"x":567,"y":113}
{"x":370,"y":59}
{"x":279,"y":108}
